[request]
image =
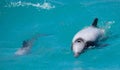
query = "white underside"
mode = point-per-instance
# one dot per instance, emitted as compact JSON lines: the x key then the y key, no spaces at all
{"x":22,"y":51}
{"x":89,"y":34}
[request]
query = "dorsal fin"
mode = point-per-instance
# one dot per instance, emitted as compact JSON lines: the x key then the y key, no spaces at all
{"x":95,"y":22}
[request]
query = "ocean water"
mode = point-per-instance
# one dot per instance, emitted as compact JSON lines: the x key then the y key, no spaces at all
{"x":61,"y":19}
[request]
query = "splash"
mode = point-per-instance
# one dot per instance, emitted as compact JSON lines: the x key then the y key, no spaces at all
{"x":45,"y":5}
{"x":107,"y":25}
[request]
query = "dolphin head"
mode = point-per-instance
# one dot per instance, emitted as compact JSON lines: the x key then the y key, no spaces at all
{"x":78,"y":47}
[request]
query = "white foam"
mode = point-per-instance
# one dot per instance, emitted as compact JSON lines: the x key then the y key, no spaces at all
{"x":107,"y":25}
{"x":45,"y":5}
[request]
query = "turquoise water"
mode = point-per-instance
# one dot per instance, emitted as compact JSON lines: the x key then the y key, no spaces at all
{"x":21,"y":20}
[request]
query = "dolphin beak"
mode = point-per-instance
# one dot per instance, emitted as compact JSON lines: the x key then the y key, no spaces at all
{"x":76,"y":55}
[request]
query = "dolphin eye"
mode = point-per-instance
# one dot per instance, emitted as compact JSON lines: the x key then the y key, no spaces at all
{"x":78,"y":41}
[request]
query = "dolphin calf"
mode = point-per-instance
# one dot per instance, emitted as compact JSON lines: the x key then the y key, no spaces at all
{"x":27,"y":45}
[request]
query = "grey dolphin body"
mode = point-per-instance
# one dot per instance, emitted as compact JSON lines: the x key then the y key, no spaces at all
{"x":27,"y":45}
{"x":86,"y":37}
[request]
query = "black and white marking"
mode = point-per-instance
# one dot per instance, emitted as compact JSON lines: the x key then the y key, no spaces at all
{"x":86,"y":37}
